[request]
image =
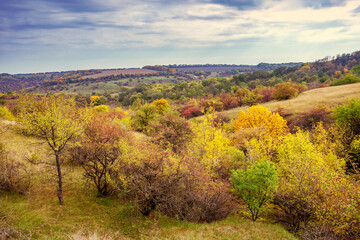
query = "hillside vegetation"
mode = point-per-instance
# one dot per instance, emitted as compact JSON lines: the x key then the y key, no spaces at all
{"x":274,"y":155}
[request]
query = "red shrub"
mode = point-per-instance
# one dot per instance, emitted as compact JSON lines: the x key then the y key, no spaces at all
{"x":190,"y":111}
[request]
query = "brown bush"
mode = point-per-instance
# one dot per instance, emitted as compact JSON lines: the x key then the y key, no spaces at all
{"x":308,"y":120}
{"x":228,"y":101}
{"x":13,"y":176}
{"x":171,"y":131}
{"x":157,"y":183}
{"x":98,"y":152}
{"x":266,"y":93}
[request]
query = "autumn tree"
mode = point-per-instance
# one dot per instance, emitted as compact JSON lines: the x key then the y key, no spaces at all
{"x":213,"y":149}
{"x":56,"y":120}
{"x":171,"y":131}
{"x":303,"y":170}
{"x":161,"y":105}
{"x":143,"y":116}
{"x":259,"y":117}
{"x":99,"y":151}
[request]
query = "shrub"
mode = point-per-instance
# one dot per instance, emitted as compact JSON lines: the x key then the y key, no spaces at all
{"x":13,"y":176}
{"x":161,"y":105}
{"x":170,"y":131}
{"x":283,"y":91}
{"x":303,"y":171}
{"x":308,"y":120}
{"x":247,"y":97}
{"x":6,"y":114}
{"x":258,"y":116}
{"x":99,"y":152}
{"x":159,"y":181}
{"x":190,"y":111}
{"x":347,"y":79}
{"x":266,"y":93}
{"x":211,"y":105}
{"x":143,"y":116}
{"x":228,"y":101}
{"x":102,"y":108}
{"x":255,"y":186}
{"x":348,"y":116}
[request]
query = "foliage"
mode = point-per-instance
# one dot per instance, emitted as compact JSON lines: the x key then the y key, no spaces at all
{"x":55,"y":120}
{"x":272,"y":124}
{"x":211,"y":105}
{"x":347,"y":79}
{"x":190,"y":111}
{"x":143,"y":116}
{"x":102,"y":108}
{"x":158,"y":180}
{"x":94,"y":99}
{"x":6,"y":114}
{"x":171,"y":131}
{"x":13,"y":175}
{"x":266,"y":93}
{"x":308,"y":120}
{"x":228,"y":101}
{"x":341,"y":208}
{"x":211,"y":147}
{"x":348,"y":116}
{"x":255,"y":186}
{"x":99,"y":151}
{"x":303,"y":170}
{"x":161,"y":105}
{"x":284,"y":91}
{"x":247,"y":97}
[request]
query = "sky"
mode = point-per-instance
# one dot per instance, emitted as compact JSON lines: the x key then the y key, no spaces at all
{"x":59,"y":35}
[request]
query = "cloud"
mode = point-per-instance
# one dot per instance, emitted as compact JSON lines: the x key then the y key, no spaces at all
{"x":180,"y":24}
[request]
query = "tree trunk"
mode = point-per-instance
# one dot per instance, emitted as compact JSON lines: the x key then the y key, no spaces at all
{"x":59,"y":190}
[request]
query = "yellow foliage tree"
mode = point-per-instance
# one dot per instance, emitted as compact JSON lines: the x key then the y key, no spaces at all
{"x":259,"y":117}
{"x":161,"y":105}
{"x":213,"y":149}
{"x":94,"y":99}
{"x":55,"y":120}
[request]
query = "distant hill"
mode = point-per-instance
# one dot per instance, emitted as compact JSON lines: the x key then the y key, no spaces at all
{"x":17,"y":82}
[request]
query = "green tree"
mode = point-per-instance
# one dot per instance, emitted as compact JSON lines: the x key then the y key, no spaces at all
{"x":55,"y":120}
{"x":143,"y":116}
{"x":348,"y":116}
{"x":256,"y":185}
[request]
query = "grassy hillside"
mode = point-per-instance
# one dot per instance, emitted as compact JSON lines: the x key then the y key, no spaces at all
{"x":329,"y":96}
{"x":37,"y":214}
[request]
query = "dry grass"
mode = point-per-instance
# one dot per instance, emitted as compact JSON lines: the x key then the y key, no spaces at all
{"x":329,"y":96}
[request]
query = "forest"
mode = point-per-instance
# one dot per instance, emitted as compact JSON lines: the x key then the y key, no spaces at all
{"x":204,"y":159}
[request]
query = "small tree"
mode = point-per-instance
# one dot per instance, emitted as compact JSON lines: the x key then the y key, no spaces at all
{"x":143,"y":116}
{"x":255,"y":186}
{"x":99,"y":151}
{"x":55,"y":120}
{"x":171,"y":131}
{"x":161,"y":105}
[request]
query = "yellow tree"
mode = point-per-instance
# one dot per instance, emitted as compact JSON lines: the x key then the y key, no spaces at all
{"x":259,"y":117}
{"x":161,"y":105}
{"x":55,"y":120}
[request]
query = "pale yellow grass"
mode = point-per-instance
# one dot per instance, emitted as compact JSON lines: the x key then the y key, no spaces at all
{"x":328,"y":96}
